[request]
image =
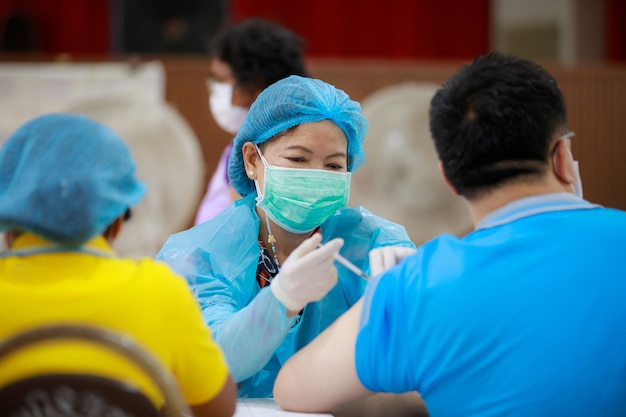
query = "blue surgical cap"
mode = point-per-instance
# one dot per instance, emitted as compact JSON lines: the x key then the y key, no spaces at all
{"x":290,"y":102}
{"x":65,"y":178}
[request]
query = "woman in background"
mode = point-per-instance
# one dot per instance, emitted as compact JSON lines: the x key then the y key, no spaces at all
{"x":245,"y":59}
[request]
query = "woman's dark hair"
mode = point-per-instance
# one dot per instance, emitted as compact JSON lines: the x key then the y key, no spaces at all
{"x":259,"y":52}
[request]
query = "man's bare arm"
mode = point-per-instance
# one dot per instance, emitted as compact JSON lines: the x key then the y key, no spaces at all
{"x":322,"y":378}
{"x":223,"y":405}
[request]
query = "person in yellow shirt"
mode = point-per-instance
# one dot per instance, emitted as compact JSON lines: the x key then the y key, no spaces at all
{"x":67,"y":184}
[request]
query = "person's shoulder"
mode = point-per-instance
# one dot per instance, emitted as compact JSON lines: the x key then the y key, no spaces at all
{"x":431,"y":255}
{"x":602,"y":223}
{"x":237,"y":216}
{"x":157,"y":270}
{"x":360,"y":214}
{"x":148,"y":277}
{"x":611,"y":213}
{"x":240,"y":209}
{"x":356,"y":223}
{"x":159,"y":278}
{"x":356,"y":211}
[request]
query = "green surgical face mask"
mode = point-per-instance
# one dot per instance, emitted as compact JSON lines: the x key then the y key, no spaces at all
{"x":299,"y":200}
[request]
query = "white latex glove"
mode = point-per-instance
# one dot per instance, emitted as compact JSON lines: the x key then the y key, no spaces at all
{"x":308,"y":273}
{"x":381,"y":259}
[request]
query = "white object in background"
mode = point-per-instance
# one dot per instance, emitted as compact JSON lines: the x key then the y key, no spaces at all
{"x":169,"y":161}
{"x":28,"y":90}
{"x":266,"y":407}
{"x":400,"y":179}
{"x":131,"y":100}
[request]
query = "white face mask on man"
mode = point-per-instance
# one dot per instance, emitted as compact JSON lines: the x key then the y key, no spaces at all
{"x":578,"y":184}
{"x":227,"y":116}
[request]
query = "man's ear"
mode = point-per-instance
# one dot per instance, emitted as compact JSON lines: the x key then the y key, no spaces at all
{"x":445,"y":179}
{"x":562,"y":163}
{"x":111,"y":233}
{"x":10,"y":236}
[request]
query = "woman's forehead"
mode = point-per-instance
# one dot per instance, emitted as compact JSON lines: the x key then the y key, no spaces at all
{"x":324,"y":136}
{"x":221,"y":71}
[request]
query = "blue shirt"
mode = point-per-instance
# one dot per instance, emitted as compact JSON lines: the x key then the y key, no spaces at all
{"x":525,"y":316}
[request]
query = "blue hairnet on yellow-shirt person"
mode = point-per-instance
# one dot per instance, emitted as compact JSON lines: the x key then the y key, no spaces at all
{"x":265,"y":288}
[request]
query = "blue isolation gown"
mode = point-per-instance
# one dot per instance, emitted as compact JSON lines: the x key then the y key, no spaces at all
{"x":219,"y":259}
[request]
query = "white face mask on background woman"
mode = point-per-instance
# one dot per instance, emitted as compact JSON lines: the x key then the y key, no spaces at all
{"x":227,"y":116}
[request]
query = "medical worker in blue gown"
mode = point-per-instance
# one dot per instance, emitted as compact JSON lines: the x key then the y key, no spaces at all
{"x":264,"y":286}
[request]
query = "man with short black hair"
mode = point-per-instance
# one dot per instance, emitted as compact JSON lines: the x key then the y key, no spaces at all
{"x":521,"y":317}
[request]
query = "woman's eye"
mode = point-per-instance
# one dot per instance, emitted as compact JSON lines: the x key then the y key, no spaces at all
{"x":296,"y":159}
{"x":335,"y":166}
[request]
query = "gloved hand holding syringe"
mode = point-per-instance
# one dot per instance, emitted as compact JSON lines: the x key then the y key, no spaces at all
{"x":309,"y":273}
{"x":381,"y":259}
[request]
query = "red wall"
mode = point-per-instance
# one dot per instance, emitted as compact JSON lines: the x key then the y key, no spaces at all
{"x":414,"y":29}
{"x":426,"y":29}
{"x":72,"y":26}
{"x":615,"y":30}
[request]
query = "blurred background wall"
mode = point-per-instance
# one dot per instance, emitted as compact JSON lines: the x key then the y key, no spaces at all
{"x":361,"y":46}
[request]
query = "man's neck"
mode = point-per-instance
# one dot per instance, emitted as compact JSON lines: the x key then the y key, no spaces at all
{"x":501,"y":196}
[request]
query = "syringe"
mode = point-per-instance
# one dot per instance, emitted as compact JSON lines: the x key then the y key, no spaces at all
{"x":352,"y":267}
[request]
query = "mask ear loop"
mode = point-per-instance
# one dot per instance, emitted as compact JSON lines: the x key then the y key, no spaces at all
{"x":256,"y":182}
{"x":271,"y":239}
{"x":261,"y":156}
{"x":578,"y":184}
